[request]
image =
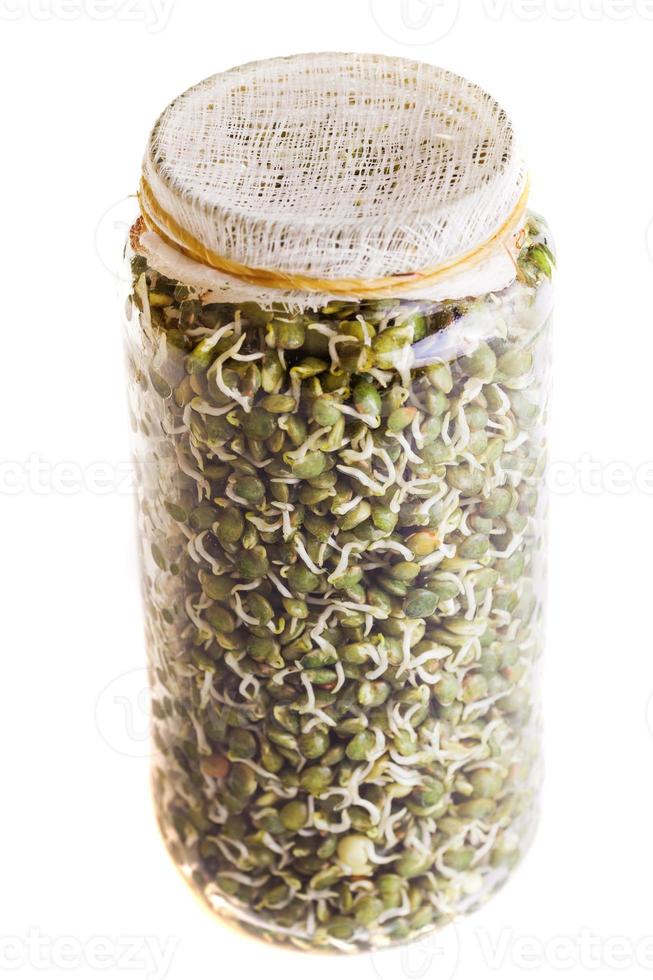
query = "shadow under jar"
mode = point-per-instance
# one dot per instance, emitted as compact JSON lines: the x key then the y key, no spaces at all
{"x":341,"y":517}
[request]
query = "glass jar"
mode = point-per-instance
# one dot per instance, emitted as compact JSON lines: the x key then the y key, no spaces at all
{"x":341,"y":518}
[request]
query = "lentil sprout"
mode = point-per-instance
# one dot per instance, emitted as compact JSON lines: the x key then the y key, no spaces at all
{"x":340,"y":551}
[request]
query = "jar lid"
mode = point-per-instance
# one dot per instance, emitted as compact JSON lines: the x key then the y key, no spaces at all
{"x":345,"y":173}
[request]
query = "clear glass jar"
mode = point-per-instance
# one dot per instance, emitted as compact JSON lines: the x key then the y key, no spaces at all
{"x":341,"y":515}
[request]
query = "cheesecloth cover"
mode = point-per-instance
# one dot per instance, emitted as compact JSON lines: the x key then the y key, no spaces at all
{"x":317,"y":176}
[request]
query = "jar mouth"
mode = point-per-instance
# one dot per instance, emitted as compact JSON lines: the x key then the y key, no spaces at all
{"x":492,"y":273}
{"x":334,"y":169}
{"x":174,"y":235}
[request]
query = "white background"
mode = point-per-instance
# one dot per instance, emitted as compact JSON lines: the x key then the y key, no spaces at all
{"x":82,"y":871}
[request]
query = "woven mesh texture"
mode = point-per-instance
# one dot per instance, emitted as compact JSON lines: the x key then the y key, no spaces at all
{"x":336,"y":165}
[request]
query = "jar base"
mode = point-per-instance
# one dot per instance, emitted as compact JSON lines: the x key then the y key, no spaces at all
{"x":246,"y":924}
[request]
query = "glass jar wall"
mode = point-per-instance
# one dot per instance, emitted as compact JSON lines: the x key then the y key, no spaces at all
{"x":341,"y":519}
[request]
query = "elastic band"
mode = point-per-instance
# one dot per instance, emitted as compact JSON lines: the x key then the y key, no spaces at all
{"x":173,"y":234}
